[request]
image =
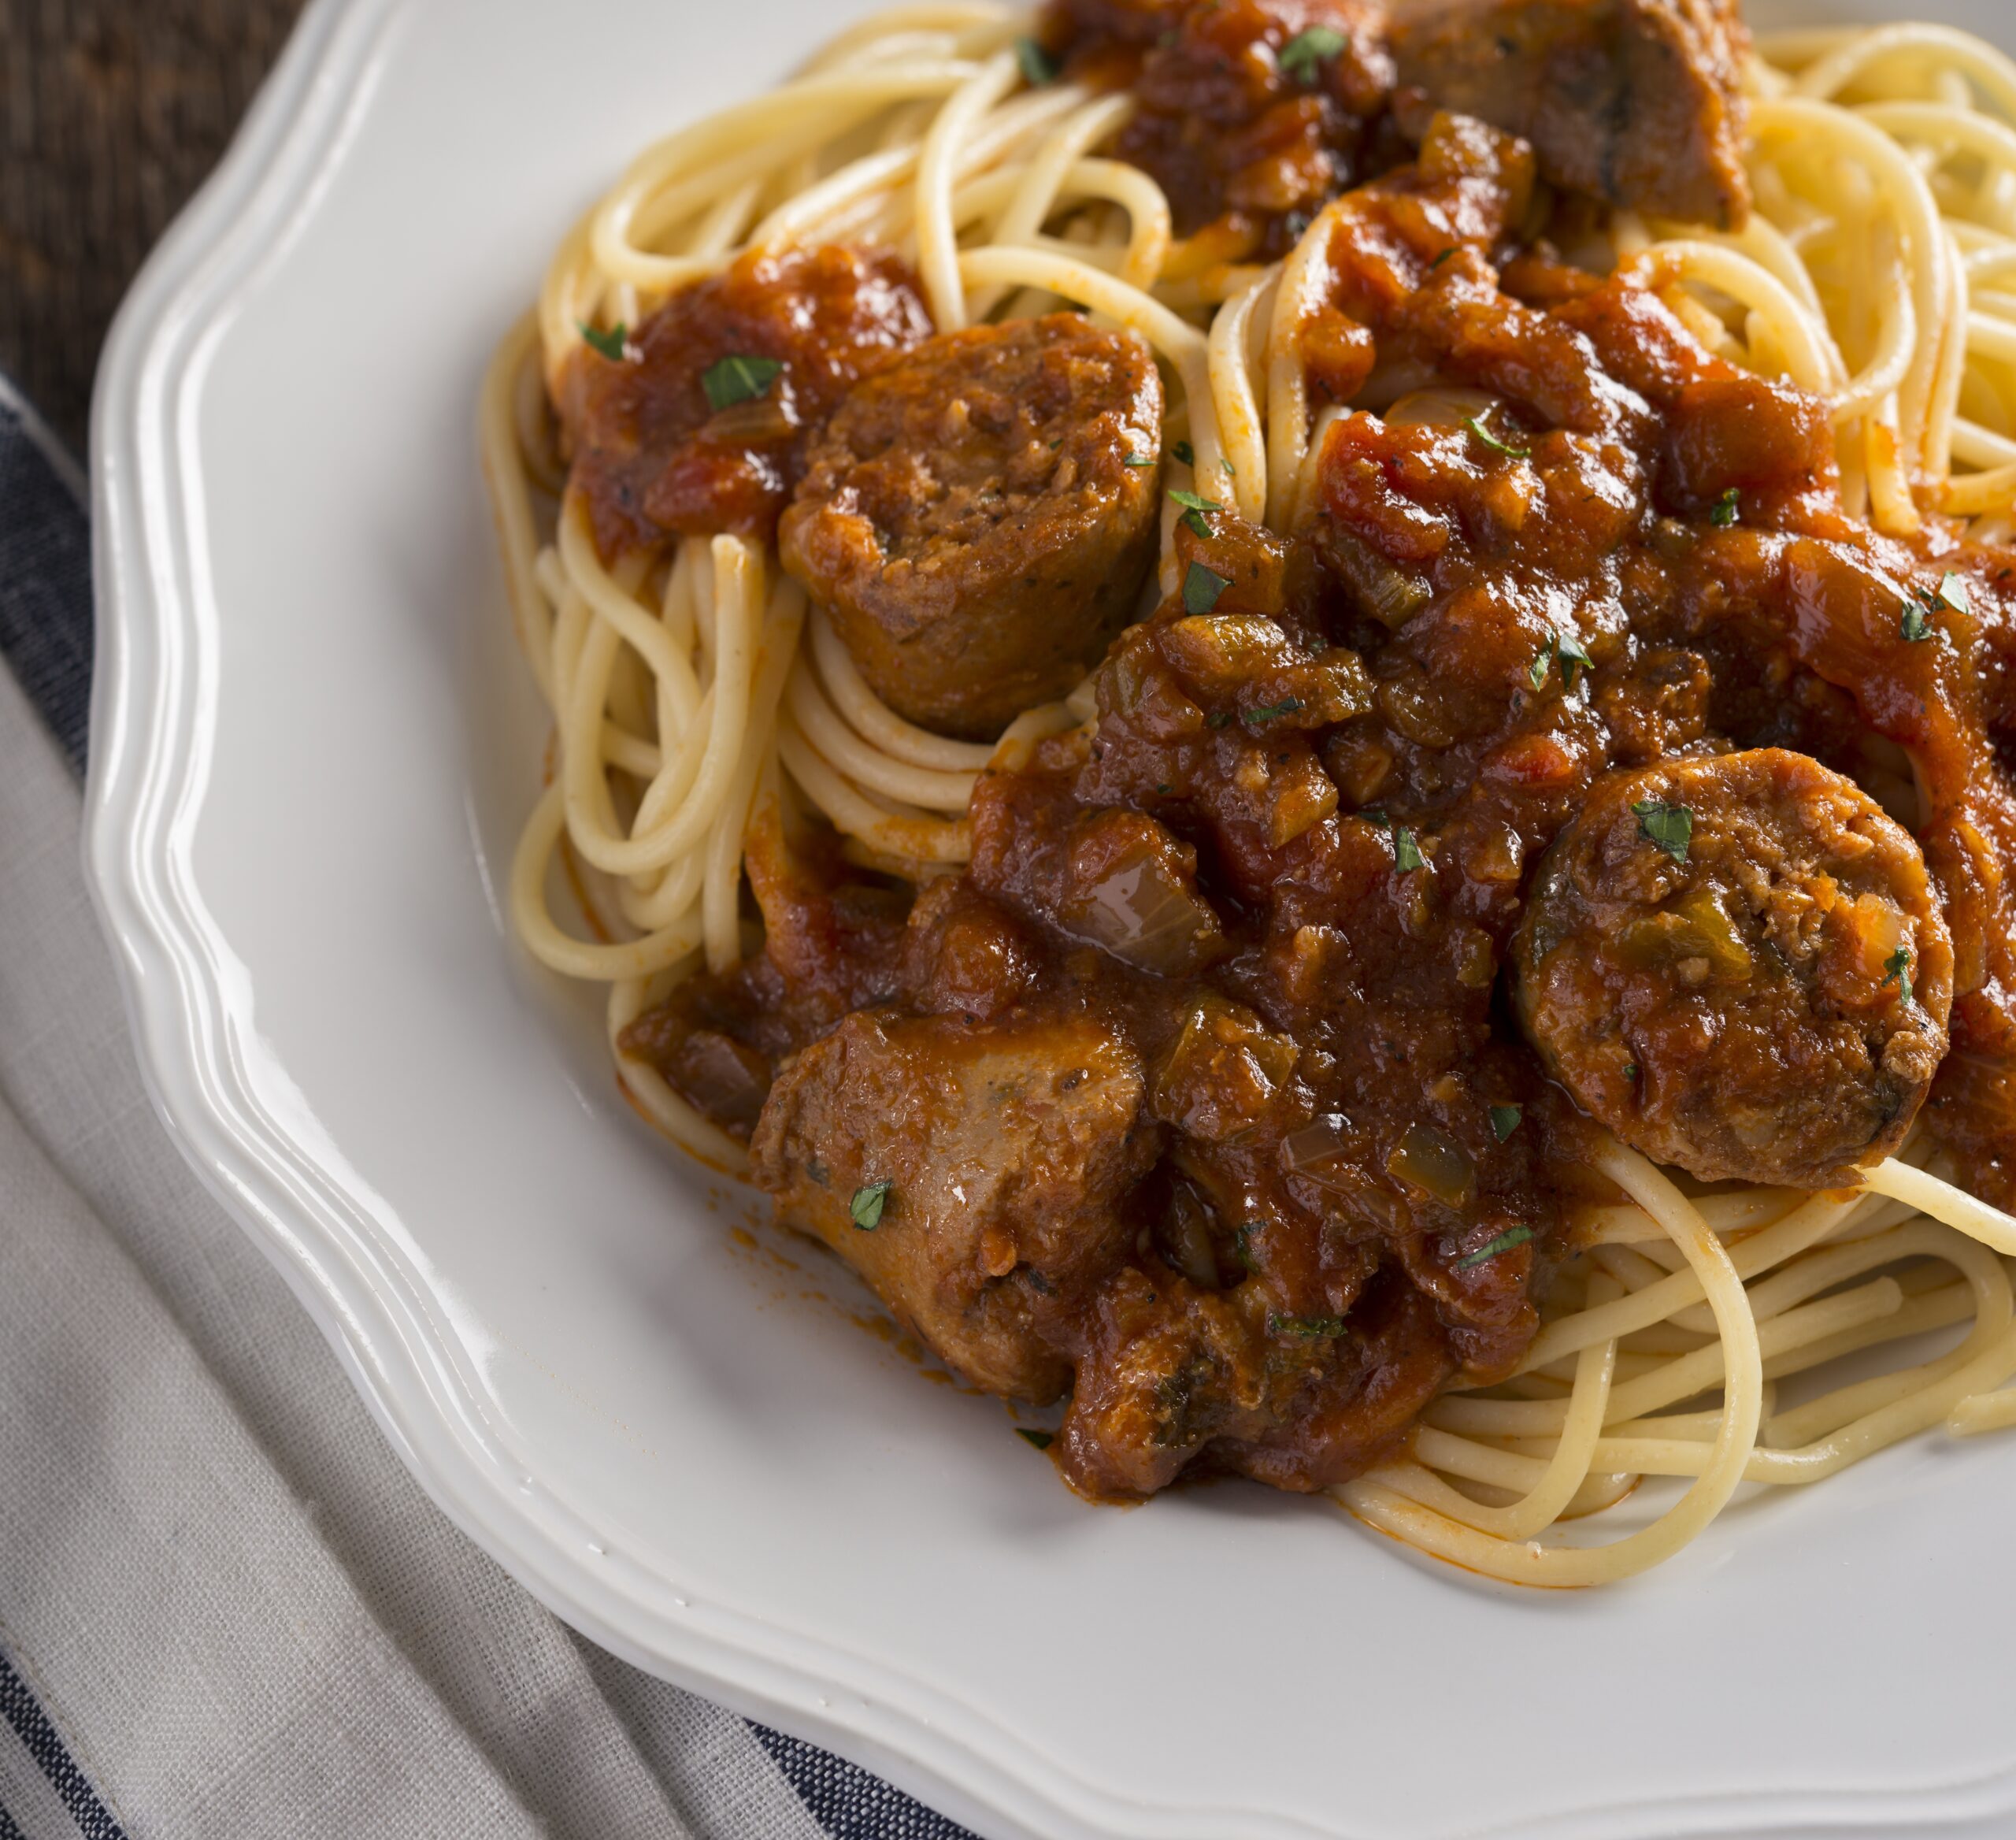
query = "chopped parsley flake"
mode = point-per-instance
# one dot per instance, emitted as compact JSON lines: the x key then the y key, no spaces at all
{"x":1725,"y":511}
{"x":1492,"y":441}
{"x":1568,"y":649}
{"x":1512,"y":1235}
{"x":1202,"y":587}
{"x":1184,"y":452}
{"x":1036,"y":64}
{"x":1194,"y":510}
{"x":1631,"y":1070}
{"x":614,"y":344}
{"x":1505,"y":1120}
{"x":1269,"y":712}
{"x":1142,"y":460}
{"x":736,"y":379}
{"x":1218,"y":718}
{"x":1915,"y":625}
{"x":1953,"y":591}
{"x":1316,"y":44}
{"x":1442,"y":258}
{"x":1669,"y":826}
{"x":1309,"y":1328}
{"x":1241,"y":1246}
{"x":1407,"y":852}
{"x":866,"y":1208}
{"x":1042,"y":1440}
{"x":1897,"y":970}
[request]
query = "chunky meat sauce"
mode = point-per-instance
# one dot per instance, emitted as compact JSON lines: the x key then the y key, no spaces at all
{"x":1252,"y":114}
{"x":1237,"y":1091}
{"x":1245,"y":145}
{"x":654,"y":457}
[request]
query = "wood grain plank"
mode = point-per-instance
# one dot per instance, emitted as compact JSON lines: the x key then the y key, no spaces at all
{"x":112,"y":112}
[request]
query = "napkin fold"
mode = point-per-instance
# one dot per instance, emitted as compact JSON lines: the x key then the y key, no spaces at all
{"x":227,"y":1613}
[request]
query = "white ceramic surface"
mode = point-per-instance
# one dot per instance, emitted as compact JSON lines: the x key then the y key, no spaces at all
{"x":312,"y":746}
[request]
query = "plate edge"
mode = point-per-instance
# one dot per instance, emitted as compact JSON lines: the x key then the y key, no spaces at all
{"x":146,"y":744}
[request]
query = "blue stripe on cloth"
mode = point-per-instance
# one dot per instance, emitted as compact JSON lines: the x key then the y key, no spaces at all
{"x":44,"y":1743}
{"x":845,"y":1801}
{"x":45,"y":574}
{"x":10,"y":1829}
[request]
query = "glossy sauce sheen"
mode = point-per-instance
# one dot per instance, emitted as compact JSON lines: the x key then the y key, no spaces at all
{"x":651,"y":456}
{"x":1202,"y":1095}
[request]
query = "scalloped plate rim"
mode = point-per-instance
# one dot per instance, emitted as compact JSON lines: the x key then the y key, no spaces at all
{"x":148,"y":767}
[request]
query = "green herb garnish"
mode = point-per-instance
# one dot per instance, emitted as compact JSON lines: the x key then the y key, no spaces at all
{"x":1269,"y":712}
{"x":1407,"y":852}
{"x":614,"y":344}
{"x":1241,"y":1246}
{"x":1184,"y":452}
{"x":866,"y":1208}
{"x":1915,"y":625}
{"x":1897,"y":970}
{"x":1443,"y":258}
{"x":1042,"y":1440}
{"x":1202,"y":587}
{"x":1036,"y":64}
{"x":1139,"y":460}
{"x":1313,"y":46}
{"x":1194,"y":510}
{"x":1670,"y":826}
{"x":1505,"y":1120}
{"x":1953,"y":591}
{"x":1492,"y":441}
{"x":1218,"y":718}
{"x":1309,"y":1328}
{"x":736,"y":379}
{"x":1565,"y":648}
{"x":1631,"y":1069}
{"x":1722,"y":513}
{"x":1512,"y":1235}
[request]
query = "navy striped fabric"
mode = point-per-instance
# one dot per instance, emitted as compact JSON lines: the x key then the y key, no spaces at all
{"x":45,"y":574}
{"x":39,"y":1737}
{"x":45,"y":637}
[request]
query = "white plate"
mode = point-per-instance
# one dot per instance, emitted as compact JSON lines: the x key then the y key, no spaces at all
{"x":312,"y":747}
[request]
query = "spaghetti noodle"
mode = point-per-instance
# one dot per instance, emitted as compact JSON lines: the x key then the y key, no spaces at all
{"x":696,"y":696}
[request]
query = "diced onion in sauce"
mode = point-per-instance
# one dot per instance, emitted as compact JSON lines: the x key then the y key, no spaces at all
{"x":1433,"y":1161}
{"x":1321,"y":1152}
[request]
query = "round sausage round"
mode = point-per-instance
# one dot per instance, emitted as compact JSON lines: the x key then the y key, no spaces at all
{"x":978,"y":516}
{"x":1737,"y":963}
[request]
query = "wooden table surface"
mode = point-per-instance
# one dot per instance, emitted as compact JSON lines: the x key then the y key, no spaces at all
{"x":111,"y":113}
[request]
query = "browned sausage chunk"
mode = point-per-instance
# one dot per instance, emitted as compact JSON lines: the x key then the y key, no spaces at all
{"x":1007,"y":1149}
{"x":1633,"y":101}
{"x":1737,"y":964}
{"x":971,"y":521}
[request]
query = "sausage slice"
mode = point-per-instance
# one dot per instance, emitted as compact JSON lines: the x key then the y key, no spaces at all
{"x":971,"y":521}
{"x":1636,"y":102}
{"x":1737,"y":963}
